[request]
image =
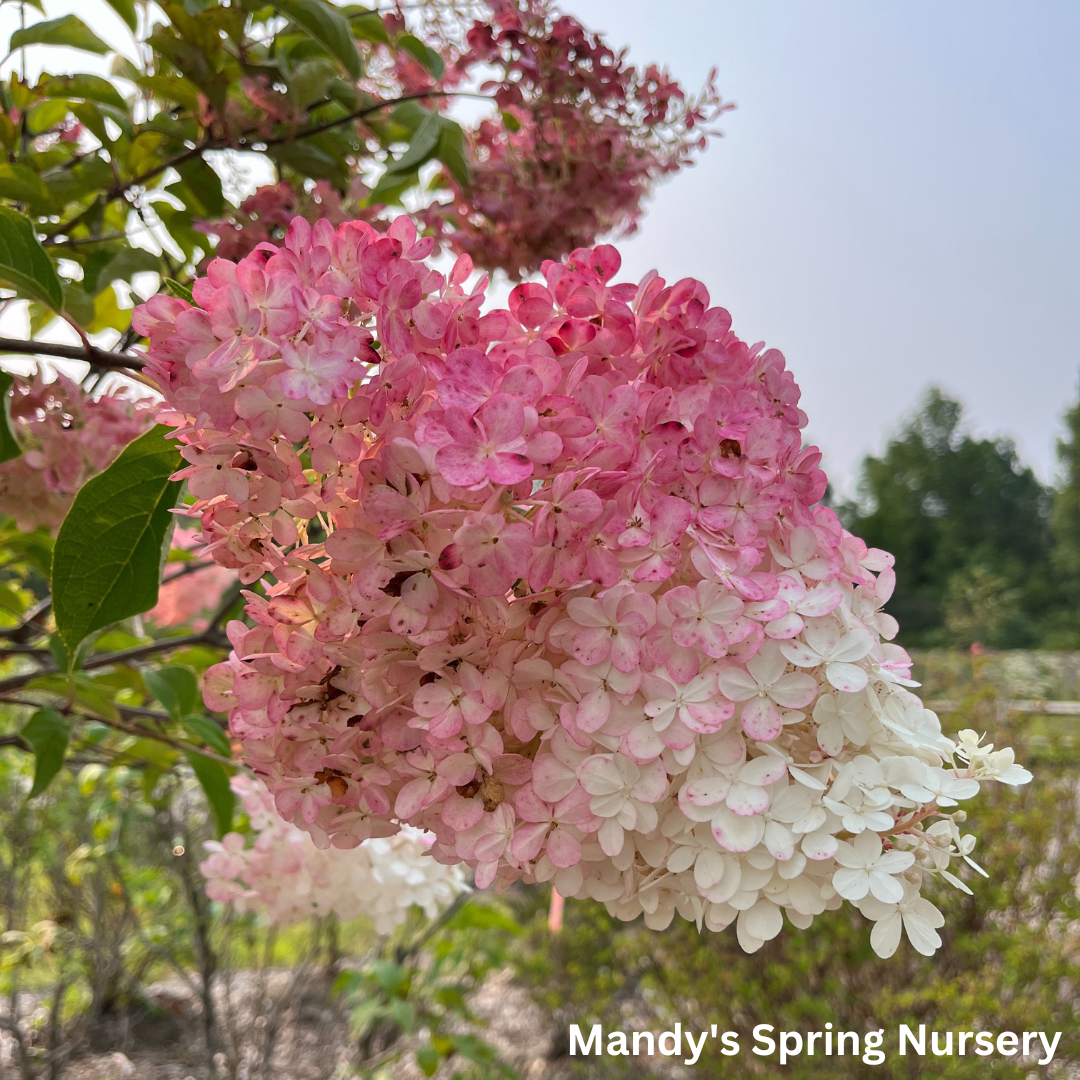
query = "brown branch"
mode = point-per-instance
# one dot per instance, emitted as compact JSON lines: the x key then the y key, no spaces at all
{"x":117,"y":725}
{"x":189,"y":568}
{"x":78,"y":241}
{"x":244,"y":141}
{"x":359,"y":114}
{"x":210,"y":636}
{"x":30,"y":623}
{"x":123,"y":710}
{"x":157,"y":736}
{"x":89,"y":354}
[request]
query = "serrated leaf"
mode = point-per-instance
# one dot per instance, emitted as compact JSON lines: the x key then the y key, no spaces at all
{"x":421,"y":148}
{"x":110,"y":549}
{"x":68,"y":30}
{"x":24,"y":264}
{"x":9,"y":446}
{"x":175,"y":687}
{"x":48,"y":733}
{"x":206,"y":731}
{"x":327,"y":26}
{"x":214,"y":781}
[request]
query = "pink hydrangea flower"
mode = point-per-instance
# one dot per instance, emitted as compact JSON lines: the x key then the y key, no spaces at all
{"x":550,"y":582}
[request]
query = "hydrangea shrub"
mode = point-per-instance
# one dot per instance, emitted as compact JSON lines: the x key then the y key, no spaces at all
{"x":553,"y":583}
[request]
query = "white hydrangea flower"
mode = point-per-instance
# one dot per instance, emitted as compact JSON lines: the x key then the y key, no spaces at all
{"x":866,"y":868}
{"x":285,"y":877}
{"x":912,"y":913}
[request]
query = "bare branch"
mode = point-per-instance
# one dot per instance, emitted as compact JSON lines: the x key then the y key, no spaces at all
{"x":246,"y":140}
{"x":128,"y":729}
{"x":30,"y":624}
{"x":209,"y":636}
{"x":90,"y":354}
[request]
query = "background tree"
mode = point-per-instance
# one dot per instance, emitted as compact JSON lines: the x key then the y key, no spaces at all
{"x":1063,"y":626}
{"x":969,"y":525}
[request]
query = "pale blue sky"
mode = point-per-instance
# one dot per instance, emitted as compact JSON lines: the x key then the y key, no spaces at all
{"x":895,"y":202}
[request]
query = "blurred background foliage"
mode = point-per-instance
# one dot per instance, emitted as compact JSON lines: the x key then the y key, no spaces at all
{"x":985,"y":552}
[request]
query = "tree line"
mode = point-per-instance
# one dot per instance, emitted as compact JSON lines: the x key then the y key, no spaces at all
{"x":986,"y":554}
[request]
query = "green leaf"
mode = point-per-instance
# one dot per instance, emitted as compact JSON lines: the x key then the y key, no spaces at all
{"x":126,"y":263}
{"x":428,"y":1058}
{"x":215,"y":784}
{"x":126,"y":10}
{"x":308,"y":159}
{"x":326,"y":25}
{"x":199,"y":176}
{"x":422,"y":146}
{"x":9,"y":447}
{"x":78,"y":304}
{"x":152,"y":752}
{"x":171,"y":88}
{"x":24,"y":264}
{"x":473,"y":1048}
{"x":68,"y":30}
{"x":175,"y":687}
{"x":451,"y":151}
{"x":108,"y":314}
{"x":367,"y":25}
{"x":423,"y":53}
{"x":87,"y":87}
{"x":95,"y":698}
{"x":47,"y":732}
{"x":208,"y":732}
{"x":390,"y":189}
{"x":91,"y":117}
{"x":22,"y":184}
{"x":45,"y":115}
{"x":179,"y":289}
{"x":110,"y":549}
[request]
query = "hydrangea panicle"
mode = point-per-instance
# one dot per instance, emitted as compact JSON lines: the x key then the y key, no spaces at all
{"x":67,"y":435}
{"x":552,"y":583}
